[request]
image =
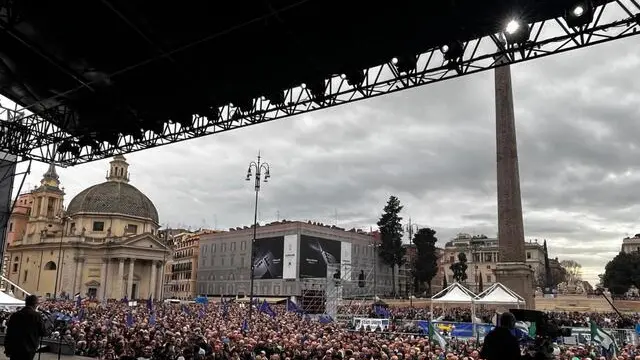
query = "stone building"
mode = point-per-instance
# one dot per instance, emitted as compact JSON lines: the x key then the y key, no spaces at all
{"x":482,"y":259}
{"x":631,"y":244}
{"x":290,"y":255}
{"x":180,"y":281}
{"x":105,"y":245}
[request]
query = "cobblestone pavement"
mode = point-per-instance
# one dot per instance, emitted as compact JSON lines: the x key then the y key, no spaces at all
{"x":46,"y":356}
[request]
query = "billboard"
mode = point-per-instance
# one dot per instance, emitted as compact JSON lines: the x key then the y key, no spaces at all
{"x":345,"y":261}
{"x":7,"y":175}
{"x":267,"y":263}
{"x":290,"y":267}
{"x":315,"y":254}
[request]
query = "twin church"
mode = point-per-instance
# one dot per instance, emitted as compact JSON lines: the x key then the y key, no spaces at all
{"x":104,"y":245}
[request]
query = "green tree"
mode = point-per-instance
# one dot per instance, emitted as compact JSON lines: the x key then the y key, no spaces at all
{"x":391,"y":250}
{"x":425,"y":265}
{"x":459,"y":269}
{"x":622,"y":272}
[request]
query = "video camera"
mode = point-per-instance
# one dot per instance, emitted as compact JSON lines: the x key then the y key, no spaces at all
{"x":547,"y":330}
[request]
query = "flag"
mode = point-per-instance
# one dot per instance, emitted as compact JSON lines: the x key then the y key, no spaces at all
{"x":150,"y":303}
{"x":434,"y":335}
{"x":325,"y":319}
{"x":81,"y":314}
{"x":293,"y":307}
{"x":225,"y":309}
{"x":382,"y":311}
{"x":604,"y":339}
{"x":265,"y":308}
{"x":245,"y":325}
{"x":152,"y":319}
{"x":186,"y":310}
{"x":200,"y":313}
{"x":129,"y":319}
{"x":78,"y":300}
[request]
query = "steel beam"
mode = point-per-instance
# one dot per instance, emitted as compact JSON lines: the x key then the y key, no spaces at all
{"x":35,"y":136}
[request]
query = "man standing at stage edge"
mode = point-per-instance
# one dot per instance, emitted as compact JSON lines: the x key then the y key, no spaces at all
{"x":24,"y":330}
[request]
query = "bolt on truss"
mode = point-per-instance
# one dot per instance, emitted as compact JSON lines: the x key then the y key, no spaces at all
{"x":37,"y":136}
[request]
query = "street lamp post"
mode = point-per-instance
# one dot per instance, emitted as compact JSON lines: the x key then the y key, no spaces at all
{"x":411,"y":229}
{"x":255,"y":170}
{"x":63,"y":219}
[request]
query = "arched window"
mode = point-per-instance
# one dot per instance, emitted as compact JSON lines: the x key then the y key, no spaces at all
{"x":50,"y":266}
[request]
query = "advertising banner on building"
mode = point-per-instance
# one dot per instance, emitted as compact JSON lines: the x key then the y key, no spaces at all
{"x":268,"y":261}
{"x":290,"y":268}
{"x":345,"y":259}
{"x":315,"y":254}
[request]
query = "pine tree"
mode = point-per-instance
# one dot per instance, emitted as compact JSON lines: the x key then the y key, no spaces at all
{"x":391,"y":250}
{"x":425,"y":265}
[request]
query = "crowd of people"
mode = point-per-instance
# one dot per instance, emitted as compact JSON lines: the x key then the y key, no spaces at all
{"x":185,"y":331}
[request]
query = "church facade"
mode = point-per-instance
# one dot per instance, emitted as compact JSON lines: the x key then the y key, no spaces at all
{"x":104,"y":245}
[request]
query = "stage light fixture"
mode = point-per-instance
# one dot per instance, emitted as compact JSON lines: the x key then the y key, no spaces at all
{"x":579,"y":14}
{"x":354,"y":78}
{"x":276,"y":97}
{"x":316,"y":89}
{"x":517,"y":33}
{"x":405,"y":63}
{"x":245,"y":105}
{"x":453,"y":50}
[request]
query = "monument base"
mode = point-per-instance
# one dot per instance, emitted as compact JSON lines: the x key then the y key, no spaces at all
{"x":519,"y":278}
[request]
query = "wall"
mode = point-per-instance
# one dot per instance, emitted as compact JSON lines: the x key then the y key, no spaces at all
{"x":117,"y":225}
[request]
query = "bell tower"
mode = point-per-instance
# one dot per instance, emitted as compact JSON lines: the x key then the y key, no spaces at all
{"x":47,"y":210}
{"x":119,"y":169}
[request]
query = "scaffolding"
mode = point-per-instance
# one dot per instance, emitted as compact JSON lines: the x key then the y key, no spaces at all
{"x":358,"y":292}
{"x":312,"y":295}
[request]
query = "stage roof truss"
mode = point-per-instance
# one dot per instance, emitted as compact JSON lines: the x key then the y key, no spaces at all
{"x":46,"y":136}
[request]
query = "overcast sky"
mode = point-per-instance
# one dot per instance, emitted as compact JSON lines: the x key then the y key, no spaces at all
{"x":434,"y":148}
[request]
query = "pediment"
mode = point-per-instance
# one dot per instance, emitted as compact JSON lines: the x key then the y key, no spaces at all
{"x":92,"y":283}
{"x":145,"y":241}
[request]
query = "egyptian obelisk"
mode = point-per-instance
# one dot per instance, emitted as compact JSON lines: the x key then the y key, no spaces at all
{"x":512,"y":269}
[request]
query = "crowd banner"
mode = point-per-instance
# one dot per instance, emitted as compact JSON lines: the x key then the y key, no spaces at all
{"x":371,"y":323}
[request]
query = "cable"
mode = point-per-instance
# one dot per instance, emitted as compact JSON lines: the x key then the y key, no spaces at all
{"x":169,"y":53}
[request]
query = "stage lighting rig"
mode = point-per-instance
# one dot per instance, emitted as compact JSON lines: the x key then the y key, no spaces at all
{"x":245,"y":105}
{"x":580,"y":14}
{"x":517,"y":33}
{"x":185,"y":119}
{"x":276,"y":97}
{"x":354,"y":78}
{"x":452,"y":50}
{"x":406,"y":63}
{"x":316,"y":88}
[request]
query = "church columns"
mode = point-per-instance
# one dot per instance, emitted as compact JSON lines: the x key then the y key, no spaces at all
{"x":160,"y":279}
{"x":120,"y":280}
{"x":77,"y":282}
{"x":130,"y":279}
{"x":102,"y":293}
{"x":153,"y":282}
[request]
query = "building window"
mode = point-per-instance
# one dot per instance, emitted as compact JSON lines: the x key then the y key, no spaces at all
{"x":26,"y":274}
{"x":528,"y":255}
{"x":233,"y":246}
{"x":489,"y":278}
{"x":98,"y":226}
{"x":132,"y":229}
{"x":224,"y":247}
{"x":50,"y":266}
{"x":15,"y":268}
{"x":243,"y":245}
{"x":11,"y":227}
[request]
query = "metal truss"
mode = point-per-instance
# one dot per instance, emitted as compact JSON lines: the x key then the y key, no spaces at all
{"x":36,"y":137}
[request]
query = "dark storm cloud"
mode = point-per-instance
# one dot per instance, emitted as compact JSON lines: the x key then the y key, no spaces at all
{"x":434,"y":147}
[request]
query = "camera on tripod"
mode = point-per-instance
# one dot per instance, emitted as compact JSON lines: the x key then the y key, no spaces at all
{"x":547,"y":330}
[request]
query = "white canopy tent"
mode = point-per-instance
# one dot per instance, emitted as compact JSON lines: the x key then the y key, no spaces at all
{"x":498,"y":294}
{"x":454,"y":294}
{"x":8,"y":302}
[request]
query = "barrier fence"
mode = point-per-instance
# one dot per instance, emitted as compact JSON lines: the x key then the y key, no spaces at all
{"x":579,"y":335}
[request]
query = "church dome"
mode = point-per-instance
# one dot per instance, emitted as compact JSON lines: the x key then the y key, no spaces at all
{"x":114,"y":197}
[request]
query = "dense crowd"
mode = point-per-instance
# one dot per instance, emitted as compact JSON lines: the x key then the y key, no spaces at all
{"x":215,"y":331}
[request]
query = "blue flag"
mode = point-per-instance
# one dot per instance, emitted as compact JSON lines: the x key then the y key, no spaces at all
{"x":150,"y":303}
{"x":225,"y":309}
{"x":78,"y":300}
{"x":245,"y":325}
{"x":382,"y":311}
{"x":129,"y":319}
{"x":265,"y":308}
{"x":293,"y":307}
{"x":152,"y":319}
{"x":185,"y":309}
{"x":200,"y":313}
{"x":325,"y":319}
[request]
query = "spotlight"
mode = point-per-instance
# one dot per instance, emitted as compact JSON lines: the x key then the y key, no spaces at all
{"x":453,"y":50}
{"x":245,"y":104}
{"x":406,"y":63}
{"x":276,"y":97}
{"x":579,"y":14}
{"x":354,"y":78}
{"x":316,"y":88}
{"x":517,"y":33}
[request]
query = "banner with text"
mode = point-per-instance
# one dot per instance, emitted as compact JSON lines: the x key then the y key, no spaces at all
{"x":315,"y":254}
{"x":290,"y":267}
{"x":267,"y":263}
